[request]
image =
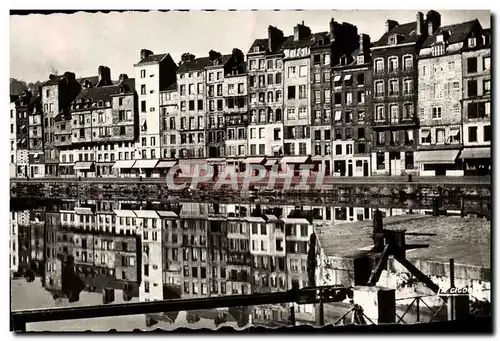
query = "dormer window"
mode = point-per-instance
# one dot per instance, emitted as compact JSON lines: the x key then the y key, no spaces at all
{"x":393,"y":39}
{"x":472,"y":42}
{"x":440,"y":38}
{"x":343,"y":61}
{"x":320,"y":42}
{"x":361,"y":59}
{"x":438,"y":50}
{"x":256,"y":48}
{"x":101,"y":103}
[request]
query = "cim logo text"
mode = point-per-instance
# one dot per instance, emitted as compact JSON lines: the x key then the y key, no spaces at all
{"x":455,"y":292}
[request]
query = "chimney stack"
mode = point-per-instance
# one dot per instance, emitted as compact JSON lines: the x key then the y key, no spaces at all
{"x":301,"y":31}
{"x":332,"y":29}
{"x":145,"y":53}
{"x":104,"y":76}
{"x":187,"y":57}
{"x":274,"y":38}
{"x":433,"y":22}
{"x":123,"y":76}
{"x":420,"y":23}
{"x":390,"y":24}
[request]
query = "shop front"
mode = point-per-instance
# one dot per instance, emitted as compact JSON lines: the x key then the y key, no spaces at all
{"x":145,"y":167}
{"x":85,"y":169}
{"x":123,"y":168}
{"x":439,"y":162}
{"x":477,"y":160}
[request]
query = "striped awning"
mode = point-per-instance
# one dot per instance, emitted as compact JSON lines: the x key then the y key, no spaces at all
{"x":476,"y":153}
{"x":83,"y":210}
{"x":295,"y":221}
{"x":124,"y":164}
{"x":146,"y":214}
{"x":146,"y":163}
{"x":254,"y":160}
{"x":294,"y":159}
{"x":438,"y":156}
{"x":83,"y":165}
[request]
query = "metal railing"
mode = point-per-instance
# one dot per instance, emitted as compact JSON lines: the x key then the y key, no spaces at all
{"x":419,"y":304}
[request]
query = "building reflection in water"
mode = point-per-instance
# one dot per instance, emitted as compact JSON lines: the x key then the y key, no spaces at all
{"x":156,"y":251}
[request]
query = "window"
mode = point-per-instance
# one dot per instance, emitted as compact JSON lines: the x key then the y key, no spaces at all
{"x":327,"y":96}
{"x":472,"y":65}
{"x":262,"y":149}
{"x":440,"y":136}
{"x":302,"y":91}
{"x":200,"y":88}
{"x":270,"y":64}
{"x":394,"y":110}
{"x":302,"y":113}
{"x":303,"y":71}
{"x":379,"y":66}
{"x":361,"y":97}
{"x":487,"y":133}
{"x":380,"y":116}
{"x":143,"y":106}
{"x":291,"y":114}
{"x":317,"y":96}
{"x":407,"y":63}
{"x":438,"y":50}
{"x":361,"y":59}
{"x":302,"y":148}
{"x":486,"y":63}
{"x":438,"y":91}
{"x":143,"y":73}
{"x":472,"y":42}
{"x":348,"y":98}
{"x":436,"y":112}
{"x":407,"y":87}
{"x":291,"y":71}
{"x":408,"y":110}
{"x":379,"y":88}
{"x":426,"y":136}
{"x":472,"y":134}
{"x":393,"y":88}
{"x":486,"y":87}
{"x":291,"y":92}
{"x":393,"y":64}
{"x":317,"y":77}
{"x":361,"y":116}
{"x":278,"y":78}
{"x":472,"y":88}
{"x":338,"y":98}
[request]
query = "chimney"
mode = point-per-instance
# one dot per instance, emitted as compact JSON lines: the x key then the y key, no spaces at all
{"x":213,"y":55}
{"x":104,"y":76}
{"x":69,"y":77}
{"x":274,"y":38}
{"x":364,"y":43}
{"x":187,"y":57}
{"x":51,"y":76}
{"x":420,"y":23}
{"x":145,"y":53}
{"x":123,"y":76}
{"x":301,"y":31}
{"x":390,"y":24}
{"x":332,"y":29}
{"x":433,"y":22}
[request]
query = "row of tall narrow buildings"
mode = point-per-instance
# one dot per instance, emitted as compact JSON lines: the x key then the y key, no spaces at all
{"x":415,"y":101}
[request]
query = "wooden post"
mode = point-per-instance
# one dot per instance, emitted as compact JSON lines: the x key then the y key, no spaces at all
{"x":292,"y":315}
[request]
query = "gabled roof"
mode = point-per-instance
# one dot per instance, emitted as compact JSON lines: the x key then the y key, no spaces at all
{"x":408,"y":31}
{"x":196,"y":64}
{"x":457,"y":33}
{"x":154,"y":58}
{"x":92,"y":79}
{"x":263,"y":43}
{"x":308,"y":41}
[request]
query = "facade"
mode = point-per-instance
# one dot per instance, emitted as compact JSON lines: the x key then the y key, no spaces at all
{"x":265,"y":90}
{"x":440,"y":95}
{"x":297,"y":103}
{"x":153,"y":73}
{"x":236,"y":116}
{"x":395,"y":78}
{"x":36,"y":154}
{"x":57,"y":94}
{"x":191,"y":87}
{"x":170,"y":120}
{"x":13,"y":140}
{"x":352,"y":110}
{"x":476,"y":64}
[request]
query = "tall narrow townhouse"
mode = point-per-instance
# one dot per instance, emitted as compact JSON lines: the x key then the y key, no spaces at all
{"x":395,"y":76}
{"x":57,"y":94}
{"x":352,"y":112}
{"x":150,"y":226}
{"x":215,"y":128}
{"x":265,"y":90}
{"x":103,"y":119}
{"x":236,"y":115}
{"x":153,"y":73}
{"x":476,"y":63}
{"x":22,"y":107}
{"x":36,"y":154}
{"x":297,"y":104}
{"x":321,"y":57}
{"x":170,"y":119}
{"x":217,"y":245}
{"x":195,"y":262}
{"x":440,"y":97}
{"x":192,"y":110}
{"x":12,"y":138}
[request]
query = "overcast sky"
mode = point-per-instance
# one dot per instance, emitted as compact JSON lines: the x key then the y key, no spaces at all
{"x":42,"y":44}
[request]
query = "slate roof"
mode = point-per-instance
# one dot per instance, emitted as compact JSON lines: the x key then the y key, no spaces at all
{"x":259,"y":42}
{"x":92,"y":79}
{"x":54,"y":81}
{"x":308,"y":41}
{"x":104,"y":93}
{"x":195,"y":65}
{"x":154,"y":58}
{"x":457,"y":33}
{"x":408,"y":31}
{"x":171,"y":87}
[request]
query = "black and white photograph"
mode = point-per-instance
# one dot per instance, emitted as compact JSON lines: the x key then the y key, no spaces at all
{"x":250,"y":171}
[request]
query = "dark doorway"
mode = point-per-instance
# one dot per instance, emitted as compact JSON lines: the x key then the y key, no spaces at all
{"x":349,"y":169}
{"x":365,"y":168}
